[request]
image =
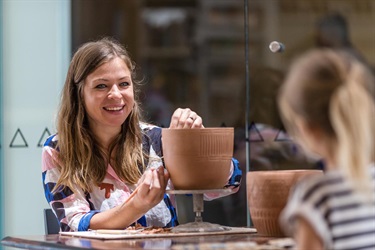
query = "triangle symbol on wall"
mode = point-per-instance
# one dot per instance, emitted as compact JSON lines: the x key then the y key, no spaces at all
{"x":281,"y":136}
{"x":18,"y":140}
{"x":44,"y":137}
{"x":255,"y":134}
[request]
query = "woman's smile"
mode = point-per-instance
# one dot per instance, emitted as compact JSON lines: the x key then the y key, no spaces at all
{"x":114,"y":108}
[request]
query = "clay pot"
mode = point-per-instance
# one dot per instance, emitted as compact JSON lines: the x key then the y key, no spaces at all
{"x":198,"y":159}
{"x":267,"y":195}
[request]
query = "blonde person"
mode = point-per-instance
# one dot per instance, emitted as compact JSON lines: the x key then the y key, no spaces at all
{"x":327,"y":103}
{"x":103,"y":152}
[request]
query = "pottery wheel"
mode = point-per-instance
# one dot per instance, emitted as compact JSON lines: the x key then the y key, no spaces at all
{"x":199,"y":225}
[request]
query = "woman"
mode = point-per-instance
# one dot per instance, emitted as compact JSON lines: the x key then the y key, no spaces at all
{"x":327,"y":102}
{"x":103,"y":169}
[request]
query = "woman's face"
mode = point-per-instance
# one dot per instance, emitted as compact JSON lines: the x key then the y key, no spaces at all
{"x":108,"y":96}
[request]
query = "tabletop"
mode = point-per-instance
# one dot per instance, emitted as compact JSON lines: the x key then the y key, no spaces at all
{"x":234,"y":241}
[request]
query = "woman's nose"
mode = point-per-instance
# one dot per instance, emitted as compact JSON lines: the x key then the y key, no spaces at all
{"x":114,"y":92}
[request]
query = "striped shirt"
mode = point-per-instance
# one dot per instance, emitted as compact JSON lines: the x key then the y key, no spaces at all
{"x":337,"y":213}
{"x":75,"y":210}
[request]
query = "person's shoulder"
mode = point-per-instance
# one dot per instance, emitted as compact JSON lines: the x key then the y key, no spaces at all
{"x":150,"y":129}
{"x":51,"y":141}
{"x":321,"y":185}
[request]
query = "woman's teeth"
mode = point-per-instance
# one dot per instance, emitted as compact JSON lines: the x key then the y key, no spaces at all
{"x":114,"y":108}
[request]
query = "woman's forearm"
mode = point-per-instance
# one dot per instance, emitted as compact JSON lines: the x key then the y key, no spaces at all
{"x":118,"y":217}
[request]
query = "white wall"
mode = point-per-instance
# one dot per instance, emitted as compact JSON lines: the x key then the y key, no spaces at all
{"x":36,"y":54}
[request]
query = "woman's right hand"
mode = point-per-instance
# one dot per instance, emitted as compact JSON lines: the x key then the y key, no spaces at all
{"x":151,"y":188}
{"x":149,"y":192}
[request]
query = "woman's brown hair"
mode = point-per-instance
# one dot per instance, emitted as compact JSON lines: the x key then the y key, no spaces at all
{"x":81,"y":161}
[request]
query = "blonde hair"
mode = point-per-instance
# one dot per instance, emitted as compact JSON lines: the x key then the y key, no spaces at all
{"x":81,"y":161}
{"x":333,"y":91}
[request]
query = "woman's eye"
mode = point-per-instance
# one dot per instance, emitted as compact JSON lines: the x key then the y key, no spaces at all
{"x":100,"y":86}
{"x":124,"y":84}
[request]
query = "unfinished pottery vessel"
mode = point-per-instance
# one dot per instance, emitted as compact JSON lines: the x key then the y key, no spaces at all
{"x":198,"y":159}
{"x":267,"y":195}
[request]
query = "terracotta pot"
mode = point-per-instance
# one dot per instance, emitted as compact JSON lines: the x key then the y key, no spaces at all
{"x":267,"y":195}
{"x":198,"y":158}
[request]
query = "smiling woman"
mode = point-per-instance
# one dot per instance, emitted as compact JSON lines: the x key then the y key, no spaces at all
{"x":102,"y":170}
{"x":108,"y":97}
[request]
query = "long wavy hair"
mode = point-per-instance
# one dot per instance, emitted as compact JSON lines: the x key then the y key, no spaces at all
{"x":335,"y":92}
{"x":82,"y":163}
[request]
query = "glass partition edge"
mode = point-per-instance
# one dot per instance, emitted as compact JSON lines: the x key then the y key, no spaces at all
{"x":1,"y":121}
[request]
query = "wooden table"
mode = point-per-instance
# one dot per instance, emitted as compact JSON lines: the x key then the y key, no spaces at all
{"x":55,"y":241}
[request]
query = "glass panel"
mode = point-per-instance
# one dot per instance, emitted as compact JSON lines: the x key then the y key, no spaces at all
{"x":1,"y":118}
{"x":35,"y":56}
{"x":191,"y":54}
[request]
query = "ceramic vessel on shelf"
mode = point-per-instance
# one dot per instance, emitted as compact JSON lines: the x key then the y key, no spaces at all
{"x":198,"y":159}
{"x":267,"y":195}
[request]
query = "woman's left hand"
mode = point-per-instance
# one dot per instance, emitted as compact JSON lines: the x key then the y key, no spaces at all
{"x":186,"y":118}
